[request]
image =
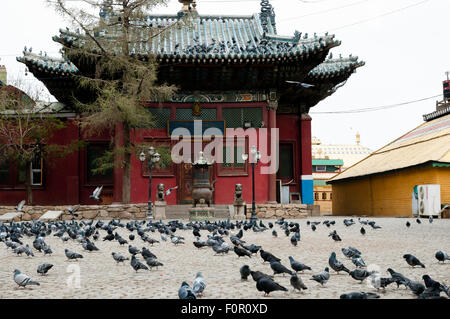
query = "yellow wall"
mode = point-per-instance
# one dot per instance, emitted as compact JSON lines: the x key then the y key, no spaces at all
{"x":387,"y":194}
{"x":325,"y":205}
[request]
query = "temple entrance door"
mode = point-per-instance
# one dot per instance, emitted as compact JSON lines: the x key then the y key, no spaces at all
{"x":185,"y":180}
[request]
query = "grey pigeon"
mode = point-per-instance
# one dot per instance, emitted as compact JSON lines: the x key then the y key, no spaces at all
{"x":442,"y":256}
{"x":298,"y":266}
{"x":336,"y":265}
{"x":359,"y":295}
{"x":268,"y":285}
{"x":431,"y":292}
{"x":413,"y":261}
{"x":278,"y":268}
{"x":119,"y":258}
{"x":19,"y":206}
{"x":72,"y":255}
{"x":297,"y":283}
{"x":360,"y":274}
{"x":44,"y":268}
{"x":133,"y":250}
{"x":245,"y":272}
{"x":380,"y":282}
{"x":399,"y":279}
{"x":199,"y":284}
{"x":47,"y":250}
{"x":136,"y":264}
{"x":186,"y":292}
{"x":358,"y":262}
{"x":416,"y":287}
{"x":19,"y":250}
{"x":242,"y":252}
{"x":256,"y":275}
{"x":96,"y":194}
{"x":153,"y":262}
{"x":23,"y":280}
{"x":322,"y":277}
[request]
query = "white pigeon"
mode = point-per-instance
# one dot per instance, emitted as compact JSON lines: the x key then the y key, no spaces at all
{"x":23,"y":280}
{"x":20,"y":206}
{"x":199,"y":284}
{"x":96,"y":194}
{"x":170,"y":190}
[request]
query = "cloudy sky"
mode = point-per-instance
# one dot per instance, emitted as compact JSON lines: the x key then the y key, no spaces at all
{"x":403,"y":42}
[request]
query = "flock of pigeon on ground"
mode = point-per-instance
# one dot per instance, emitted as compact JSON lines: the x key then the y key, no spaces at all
{"x":87,"y":232}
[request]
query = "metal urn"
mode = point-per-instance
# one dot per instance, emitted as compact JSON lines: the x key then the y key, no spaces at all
{"x":202,"y":189}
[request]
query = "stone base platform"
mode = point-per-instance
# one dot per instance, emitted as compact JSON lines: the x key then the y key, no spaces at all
{"x":201,"y":213}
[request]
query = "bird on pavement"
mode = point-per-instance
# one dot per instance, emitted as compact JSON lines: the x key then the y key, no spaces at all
{"x":199,"y":284}
{"x":185,"y":291}
{"x":358,"y":262}
{"x":274,"y":233}
{"x":416,"y":287}
{"x":322,"y":277}
{"x":408,"y":224}
{"x":266,"y":256}
{"x":399,"y":279}
{"x":242,"y":252}
{"x":298,"y":266}
{"x":136,"y":264}
{"x":119,"y":258}
{"x":418,"y":221}
{"x":153,"y":262}
{"x":297,"y":283}
{"x":336,"y":265}
{"x":268,"y":285}
{"x":278,"y":268}
{"x":44,"y":268}
{"x":245,"y":272}
{"x":72,"y":210}
{"x":363,"y":231}
{"x":256,"y":275}
{"x":23,"y":280}
{"x":442,"y":256}
{"x":360,"y":274}
{"x":72,"y":255}
{"x":413,"y":261}
{"x":133,"y":250}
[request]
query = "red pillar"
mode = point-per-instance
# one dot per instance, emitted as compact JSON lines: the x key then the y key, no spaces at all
{"x":118,"y":171}
{"x":306,"y":160}
{"x":272,"y":198}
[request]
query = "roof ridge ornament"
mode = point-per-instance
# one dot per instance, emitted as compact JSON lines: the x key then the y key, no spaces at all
{"x":267,"y":12}
{"x":188,"y":6}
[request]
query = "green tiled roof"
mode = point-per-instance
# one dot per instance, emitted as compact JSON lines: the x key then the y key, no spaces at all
{"x":47,"y":63}
{"x":335,"y":67}
{"x":334,"y":162}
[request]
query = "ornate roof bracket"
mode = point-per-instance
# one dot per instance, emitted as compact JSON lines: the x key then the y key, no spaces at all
{"x":272,"y":102}
{"x":267,"y":14}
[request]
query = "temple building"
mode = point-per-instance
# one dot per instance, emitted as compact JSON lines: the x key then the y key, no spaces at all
{"x":232,"y":72}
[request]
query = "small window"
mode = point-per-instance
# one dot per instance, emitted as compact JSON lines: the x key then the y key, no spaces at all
{"x":4,"y":173}
{"x":331,"y":195}
{"x":94,"y":151}
{"x":286,"y":167}
{"x":316,"y":196}
{"x":232,"y":162}
{"x":321,"y":168}
{"x":36,"y":172}
{"x":324,"y":196}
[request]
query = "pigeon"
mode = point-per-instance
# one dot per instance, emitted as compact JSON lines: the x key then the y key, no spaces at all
{"x":363,"y":231}
{"x":430,"y":220}
{"x":349,"y":253}
{"x":297,"y":266}
{"x":23,"y":280}
{"x":399,"y":279}
{"x":416,"y":287}
{"x":266,"y":256}
{"x":72,"y":210}
{"x":256,"y":275}
{"x":252,"y":248}
{"x":72,"y":255}
{"x":380,"y":282}
{"x":96,"y":194}
{"x":313,"y":227}
{"x":431,"y":292}
{"x":413,"y":261}
{"x":168,"y":191}
{"x":360,"y":274}
{"x":274,"y":233}
{"x":131,"y":237}
{"x":242,"y":252}
{"x":337,"y":265}
{"x":133,"y":250}
{"x":297,"y":283}
{"x":119,"y":258}
{"x":278,"y":268}
{"x":322,"y":277}
{"x":418,"y":221}
{"x":408,"y":224}
{"x":19,"y":250}
{"x":358,"y":262}
{"x":28,"y":251}
{"x":293,"y":240}
{"x":429,"y":282}
{"x":152,"y":262}
{"x":359,"y":295}
{"x":136,"y":264}
{"x":199,"y":284}
{"x":122,"y":241}
{"x":19,"y":206}
{"x":442,"y":256}
{"x":47,"y":250}
{"x":176,"y":240}
{"x":335,"y":236}
{"x":147,"y":253}
{"x":44,"y":268}
{"x":268,"y":285}
{"x":185,"y":291}
{"x":245,"y":272}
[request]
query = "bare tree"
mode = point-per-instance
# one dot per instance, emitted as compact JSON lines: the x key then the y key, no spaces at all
{"x":121,"y":79}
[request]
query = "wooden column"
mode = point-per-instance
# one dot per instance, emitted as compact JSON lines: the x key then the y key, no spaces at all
{"x":272,"y":108}
{"x":118,"y":171}
{"x":307,"y":192}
